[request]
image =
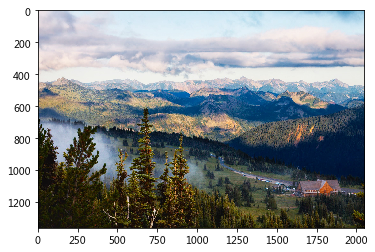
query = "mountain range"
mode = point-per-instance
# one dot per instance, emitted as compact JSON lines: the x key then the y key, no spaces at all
{"x":217,"y":113}
{"x":331,"y":91}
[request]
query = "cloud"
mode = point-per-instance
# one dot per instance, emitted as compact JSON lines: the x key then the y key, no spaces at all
{"x":55,"y":23}
{"x":68,"y":41}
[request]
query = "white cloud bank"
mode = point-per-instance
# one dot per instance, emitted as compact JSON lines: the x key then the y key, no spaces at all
{"x":67,"y":41}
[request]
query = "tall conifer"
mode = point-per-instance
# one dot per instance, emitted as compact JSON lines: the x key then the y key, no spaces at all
{"x":81,"y":188}
{"x":142,"y":177}
{"x":179,"y":205}
{"x":118,"y":207}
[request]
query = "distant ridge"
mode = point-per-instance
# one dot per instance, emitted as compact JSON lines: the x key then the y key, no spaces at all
{"x":334,"y":91}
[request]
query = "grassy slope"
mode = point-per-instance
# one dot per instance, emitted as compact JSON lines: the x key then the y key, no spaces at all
{"x":283,"y":201}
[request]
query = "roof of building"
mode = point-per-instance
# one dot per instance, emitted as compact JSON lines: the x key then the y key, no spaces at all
{"x":334,"y":184}
{"x":310,"y":185}
{"x":316,"y":185}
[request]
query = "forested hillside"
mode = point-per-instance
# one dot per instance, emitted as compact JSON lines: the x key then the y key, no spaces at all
{"x":331,"y":144}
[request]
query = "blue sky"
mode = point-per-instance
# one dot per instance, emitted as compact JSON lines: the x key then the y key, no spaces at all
{"x":151,"y":46}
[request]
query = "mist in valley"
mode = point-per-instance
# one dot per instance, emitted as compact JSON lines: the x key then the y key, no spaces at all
{"x":63,"y":134}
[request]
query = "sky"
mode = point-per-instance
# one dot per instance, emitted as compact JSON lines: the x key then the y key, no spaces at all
{"x":151,"y":46}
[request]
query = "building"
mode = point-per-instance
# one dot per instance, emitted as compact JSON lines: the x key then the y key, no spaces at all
{"x":314,"y":188}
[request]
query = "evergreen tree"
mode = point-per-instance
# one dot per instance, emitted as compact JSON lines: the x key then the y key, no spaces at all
{"x":143,"y":177}
{"x":48,"y":178}
{"x":47,"y":158}
{"x":210,"y":175}
{"x":118,"y":209}
{"x":136,"y":216}
{"x":270,"y":201}
{"x":81,"y":189}
{"x":162,"y":186}
{"x":220,"y":182}
{"x":227,"y":181}
{"x":125,"y":142}
{"x":178,"y":209}
{"x":285,"y":219}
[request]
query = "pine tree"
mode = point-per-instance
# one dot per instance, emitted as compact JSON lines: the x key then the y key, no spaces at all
{"x":284,"y":218}
{"x":220,"y":182}
{"x":118,"y":209}
{"x":162,"y":186}
{"x":135,"y":204}
{"x":143,"y":176}
{"x":48,"y":178}
{"x":178,"y":209}
{"x":47,"y":158}
{"x":183,"y":191}
{"x":270,"y":201}
{"x":81,"y":187}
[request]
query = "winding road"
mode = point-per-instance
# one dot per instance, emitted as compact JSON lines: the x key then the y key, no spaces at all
{"x":248,"y":175}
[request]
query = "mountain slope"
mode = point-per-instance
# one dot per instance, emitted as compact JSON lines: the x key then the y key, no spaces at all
{"x":331,"y":144}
